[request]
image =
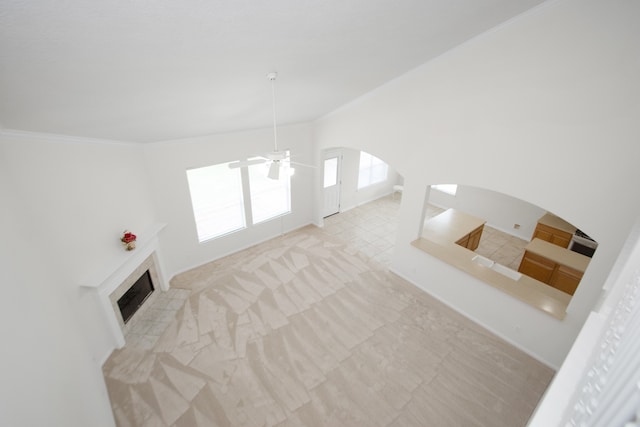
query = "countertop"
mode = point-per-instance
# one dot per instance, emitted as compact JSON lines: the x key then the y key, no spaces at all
{"x":450,"y":226}
{"x":558,"y":254}
{"x":553,"y":221}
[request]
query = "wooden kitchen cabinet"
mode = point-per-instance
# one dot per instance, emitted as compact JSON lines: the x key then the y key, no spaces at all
{"x":471,"y":241}
{"x":537,"y":267}
{"x":464,"y":242}
{"x":553,"y":265}
{"x":553,"y":235}
{"x":565,"y":279}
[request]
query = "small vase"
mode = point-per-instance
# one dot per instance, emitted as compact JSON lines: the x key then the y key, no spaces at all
{"x":131,"y":246}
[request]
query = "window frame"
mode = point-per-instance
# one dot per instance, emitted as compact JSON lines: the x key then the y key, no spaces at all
{"x":200,"y":203}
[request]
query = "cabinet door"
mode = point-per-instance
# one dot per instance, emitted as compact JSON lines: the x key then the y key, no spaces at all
{"x":542,"y":233}
{"x":536,"y":267}
{"x":565,"y":279}
{"x":561,"y":239}
{"x":552,"y":235}
{"x":474,"y":238}
{"x":464,"y":242}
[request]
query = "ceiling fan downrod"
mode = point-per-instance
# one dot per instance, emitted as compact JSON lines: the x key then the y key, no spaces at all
{"x":272,"y":77}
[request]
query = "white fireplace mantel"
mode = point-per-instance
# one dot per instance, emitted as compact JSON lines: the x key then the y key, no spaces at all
{"x":107,"y":280}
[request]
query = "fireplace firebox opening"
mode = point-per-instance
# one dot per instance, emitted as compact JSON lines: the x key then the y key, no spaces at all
{"x":135,"y":296}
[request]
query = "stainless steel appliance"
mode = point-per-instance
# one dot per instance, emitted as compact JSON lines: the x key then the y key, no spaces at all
{"x":583,"y":244}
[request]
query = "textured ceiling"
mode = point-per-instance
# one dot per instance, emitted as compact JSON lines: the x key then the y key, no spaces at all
{"x":150,"y":70}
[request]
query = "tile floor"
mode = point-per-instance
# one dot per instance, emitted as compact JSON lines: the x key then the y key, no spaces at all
{"x":370,"y":228}
{"x":148,"y":324}
{"x":501,"y":247}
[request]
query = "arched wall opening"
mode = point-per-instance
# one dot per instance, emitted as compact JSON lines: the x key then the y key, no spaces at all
{"x":360,"y":198}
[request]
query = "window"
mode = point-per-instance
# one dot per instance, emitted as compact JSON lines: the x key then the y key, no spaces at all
{"x":269,"y":197}
{"x":224,"y":200}
{"x":372,"y":170}
{"x":446,"y":188}
{"x":217,"y":200}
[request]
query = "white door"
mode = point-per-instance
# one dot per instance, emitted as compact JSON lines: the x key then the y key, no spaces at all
{"x":332,"y":181}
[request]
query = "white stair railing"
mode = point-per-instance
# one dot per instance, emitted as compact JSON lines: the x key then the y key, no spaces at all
{"x":609,"y":394}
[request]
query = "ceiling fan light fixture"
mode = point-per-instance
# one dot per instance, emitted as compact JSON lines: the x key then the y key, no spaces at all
{"x":274,"y":170}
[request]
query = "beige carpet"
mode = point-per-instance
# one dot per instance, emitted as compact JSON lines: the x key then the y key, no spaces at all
{"x":301,"y":331}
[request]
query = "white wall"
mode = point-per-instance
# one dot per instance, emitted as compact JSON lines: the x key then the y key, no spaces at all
{"x":69,"y":201}
{"x":350,"y":195}
{"x":523,"y":110}
{"x":499,"y":210}
{"x":48,"y":376}
{"x":168,"y":162}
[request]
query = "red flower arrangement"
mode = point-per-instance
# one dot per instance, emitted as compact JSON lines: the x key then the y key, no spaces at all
{"x":129,"y":240}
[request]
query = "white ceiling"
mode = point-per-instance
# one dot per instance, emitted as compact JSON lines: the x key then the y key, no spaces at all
{"x":150,"y":70}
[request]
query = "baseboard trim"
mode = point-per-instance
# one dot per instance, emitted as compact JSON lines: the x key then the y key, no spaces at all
{"x":478,"y":322}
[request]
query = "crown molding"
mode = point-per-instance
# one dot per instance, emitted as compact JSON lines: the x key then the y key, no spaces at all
{"x":29,"y":136}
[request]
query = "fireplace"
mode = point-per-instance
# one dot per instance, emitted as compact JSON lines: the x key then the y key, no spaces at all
{"x":131,"y":301}
{"x":120,"y":272}
{"x":135,"y":293}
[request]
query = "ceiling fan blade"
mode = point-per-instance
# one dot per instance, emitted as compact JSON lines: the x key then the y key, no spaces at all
{"x":303,"y":164}
{"x":242,"y":163}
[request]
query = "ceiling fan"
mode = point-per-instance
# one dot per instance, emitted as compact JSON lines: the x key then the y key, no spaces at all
{"x":277,"y":159}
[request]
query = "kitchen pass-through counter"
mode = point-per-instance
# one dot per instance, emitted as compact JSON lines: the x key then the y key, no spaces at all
{"x":443,"y":237}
